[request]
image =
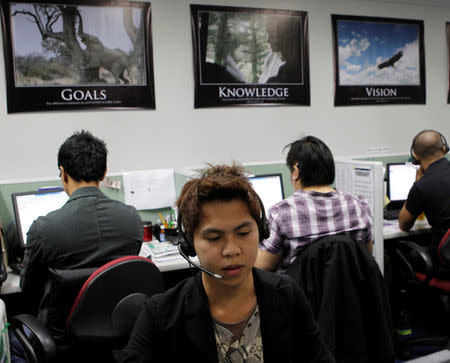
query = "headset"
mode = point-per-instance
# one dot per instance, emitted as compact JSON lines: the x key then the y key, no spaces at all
{"x":444,"y":145}
{"x":186,"y":246}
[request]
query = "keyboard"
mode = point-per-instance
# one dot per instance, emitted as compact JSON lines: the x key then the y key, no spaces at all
{"x":391,"y":214}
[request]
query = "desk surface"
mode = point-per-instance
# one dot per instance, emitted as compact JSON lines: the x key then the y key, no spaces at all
{"x":176,"y":263}
{"x":391,"y":229}
{"x":11,"y":285}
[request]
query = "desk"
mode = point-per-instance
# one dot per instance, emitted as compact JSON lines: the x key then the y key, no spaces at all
{"x":178,"y":263}
{"x":391,"y":229}
{"x":11,"y":285}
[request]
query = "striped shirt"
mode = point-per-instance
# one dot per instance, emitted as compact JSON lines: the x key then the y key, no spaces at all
{"x":305,"y":217}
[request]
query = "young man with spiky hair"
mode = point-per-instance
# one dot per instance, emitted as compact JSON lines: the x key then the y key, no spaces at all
{"x":230,"y":311}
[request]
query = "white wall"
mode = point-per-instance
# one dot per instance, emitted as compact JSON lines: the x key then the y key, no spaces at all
{"x":176,"y":134}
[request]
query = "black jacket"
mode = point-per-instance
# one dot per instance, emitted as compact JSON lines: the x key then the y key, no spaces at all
{"x":88,"y":231}
{"x":177,"y":327}
{"x":348,"y":296}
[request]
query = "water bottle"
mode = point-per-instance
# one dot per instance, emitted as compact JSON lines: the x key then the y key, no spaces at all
{"x":162,"y":234}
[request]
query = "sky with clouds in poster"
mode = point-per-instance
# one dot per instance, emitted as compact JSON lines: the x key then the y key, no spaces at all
{"x":365,"y":44}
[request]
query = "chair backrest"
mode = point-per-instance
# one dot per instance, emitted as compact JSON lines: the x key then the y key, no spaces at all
{"x":444,"y":249}
{"x":64,"y":285}
{"x":90,"y":318}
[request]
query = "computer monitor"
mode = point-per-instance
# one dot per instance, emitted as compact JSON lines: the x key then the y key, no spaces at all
{"x":28,"y":206}
{"x":269,"y":187}
{"x":400,"y":178}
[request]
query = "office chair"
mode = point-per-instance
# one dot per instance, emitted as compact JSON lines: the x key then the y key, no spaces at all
{"x":102,"y":315}
{"x":349,"y":299}
{"x":418,"y":270}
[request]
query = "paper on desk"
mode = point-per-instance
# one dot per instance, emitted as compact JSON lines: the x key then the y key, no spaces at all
{"x":149,"y":189}
{"x":160,"y":248}
{"x":166,"y":258}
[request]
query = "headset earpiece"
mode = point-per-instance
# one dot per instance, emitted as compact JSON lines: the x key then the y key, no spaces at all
{"x":263,"y":227}
{"x":445,"y":144}
{"x":186,"y":245}
{"x":413,"y":159}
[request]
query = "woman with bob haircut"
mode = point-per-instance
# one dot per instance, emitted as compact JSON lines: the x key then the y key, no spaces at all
{"x":315,"y":210}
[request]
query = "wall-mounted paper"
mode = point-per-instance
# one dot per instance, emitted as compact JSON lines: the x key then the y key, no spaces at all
{"x":149,"y":189}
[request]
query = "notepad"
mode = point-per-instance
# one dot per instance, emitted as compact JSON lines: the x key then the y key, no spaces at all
{"x":159,"y":249}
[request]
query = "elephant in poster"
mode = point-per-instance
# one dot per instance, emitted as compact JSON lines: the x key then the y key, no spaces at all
{"x":113,"y":60}
{"x":97,"y":55}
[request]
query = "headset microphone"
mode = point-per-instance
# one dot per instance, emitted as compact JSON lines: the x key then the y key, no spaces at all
{"x":217,"y":276}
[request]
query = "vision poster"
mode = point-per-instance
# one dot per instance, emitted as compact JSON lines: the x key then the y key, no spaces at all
{"x":378,"y":61}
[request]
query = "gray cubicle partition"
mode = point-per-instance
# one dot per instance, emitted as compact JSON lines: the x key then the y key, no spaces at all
{"x":6,"y":189}
{"x":181,"y":176}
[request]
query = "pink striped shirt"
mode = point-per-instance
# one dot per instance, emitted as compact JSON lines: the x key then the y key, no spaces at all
{"x":305,"y":217}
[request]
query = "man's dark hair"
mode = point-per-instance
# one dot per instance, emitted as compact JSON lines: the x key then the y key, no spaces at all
{"x":313,"y":159}
{"x":83,"y":157}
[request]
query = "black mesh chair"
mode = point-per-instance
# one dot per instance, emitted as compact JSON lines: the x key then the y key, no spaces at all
{"x":102,"y":315}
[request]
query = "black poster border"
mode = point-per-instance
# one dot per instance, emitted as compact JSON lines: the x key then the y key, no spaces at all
{"x":78,"y":97}
{"x":249,"y":94}
{"x":447,"y":30}
{"x":378,"y":94}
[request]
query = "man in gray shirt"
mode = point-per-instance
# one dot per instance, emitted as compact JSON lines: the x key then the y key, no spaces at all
{"x":88,"y":231}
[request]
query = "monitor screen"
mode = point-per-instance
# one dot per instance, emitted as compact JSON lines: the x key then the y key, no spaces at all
{"x":28,"y":206}
{"x":400,"y":178}
{"x":269,"y":188}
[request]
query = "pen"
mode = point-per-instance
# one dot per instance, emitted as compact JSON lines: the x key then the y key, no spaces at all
{"x":163,"y":221}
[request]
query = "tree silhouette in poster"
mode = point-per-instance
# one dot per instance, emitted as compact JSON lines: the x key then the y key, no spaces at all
{"x":85,"y":62}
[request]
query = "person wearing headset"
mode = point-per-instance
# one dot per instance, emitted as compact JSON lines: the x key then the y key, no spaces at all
{"x":229,"y":311}
{"x":431,"y":191}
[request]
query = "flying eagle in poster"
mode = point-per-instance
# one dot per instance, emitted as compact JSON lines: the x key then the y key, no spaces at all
{"x":390,"y":62}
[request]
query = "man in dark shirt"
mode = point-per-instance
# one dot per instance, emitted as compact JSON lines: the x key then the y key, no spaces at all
{"x":431,"y":191}
{"x":88,"y":231}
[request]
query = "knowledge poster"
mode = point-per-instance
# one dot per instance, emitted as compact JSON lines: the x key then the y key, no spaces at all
{"x":249,"y":56}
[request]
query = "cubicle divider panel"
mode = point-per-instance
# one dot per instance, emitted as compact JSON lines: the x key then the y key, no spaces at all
{"x":6,"y":189}
{"x":400,"y":158}
{"x":181,"y":176}
{"x":365,"y":178}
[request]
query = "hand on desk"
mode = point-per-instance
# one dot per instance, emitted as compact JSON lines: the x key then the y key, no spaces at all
{"x":16,"y":267}
{"x":419,"y":173}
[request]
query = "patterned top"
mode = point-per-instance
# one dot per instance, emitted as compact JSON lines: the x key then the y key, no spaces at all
{"x":307,"y":216}
{"x":241,"y":341}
